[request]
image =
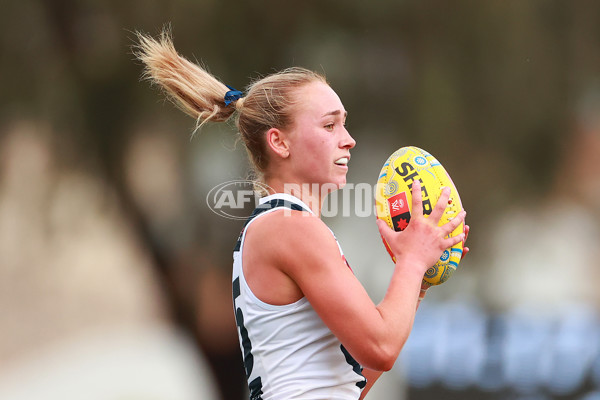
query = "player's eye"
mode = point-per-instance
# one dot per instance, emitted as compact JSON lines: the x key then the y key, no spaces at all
{"x":330,"y":126}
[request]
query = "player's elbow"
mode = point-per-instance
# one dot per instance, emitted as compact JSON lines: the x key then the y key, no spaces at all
{"x":388,"y":358}
{"x":383,"y":363}
{"x":379,"y":349}
{"x":381,"y":358}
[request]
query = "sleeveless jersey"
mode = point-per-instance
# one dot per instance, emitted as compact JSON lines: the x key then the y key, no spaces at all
{"x":289,"y":353}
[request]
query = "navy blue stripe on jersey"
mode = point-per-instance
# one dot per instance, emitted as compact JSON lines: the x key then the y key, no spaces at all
{"x":236,"y":288}
{"x":355,"y":366}
{"x":269,"y":205}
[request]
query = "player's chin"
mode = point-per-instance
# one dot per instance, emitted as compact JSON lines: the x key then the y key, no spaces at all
{"x":340,"y":183}
{"x":336,"y":181}
{"x":344,"y":179}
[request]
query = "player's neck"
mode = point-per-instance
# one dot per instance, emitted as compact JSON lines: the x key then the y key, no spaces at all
{"x":313,"y":195}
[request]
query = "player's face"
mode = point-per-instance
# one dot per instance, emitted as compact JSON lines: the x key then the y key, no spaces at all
{"x":319,"y":142}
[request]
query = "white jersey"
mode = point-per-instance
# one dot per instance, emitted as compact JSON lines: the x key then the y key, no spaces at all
{"x":289,"y":353}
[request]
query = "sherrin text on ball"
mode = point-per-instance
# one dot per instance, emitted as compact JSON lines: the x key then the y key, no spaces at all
{"x":394,"y":201}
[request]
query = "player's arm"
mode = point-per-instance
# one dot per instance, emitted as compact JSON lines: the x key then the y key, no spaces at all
{"x":372,"y":377}
{"x":373,"y":334}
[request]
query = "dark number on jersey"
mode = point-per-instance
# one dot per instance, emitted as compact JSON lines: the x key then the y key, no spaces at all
{"x":355,"y":366}
{"x":256,"y":385}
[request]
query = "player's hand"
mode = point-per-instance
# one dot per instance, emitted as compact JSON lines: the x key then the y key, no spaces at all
{"x":423,"y":241}
{"x":424,"y":287}
{"x":465,"y":249}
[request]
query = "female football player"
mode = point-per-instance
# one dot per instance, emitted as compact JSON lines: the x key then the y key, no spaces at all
{"x":307,"y":328}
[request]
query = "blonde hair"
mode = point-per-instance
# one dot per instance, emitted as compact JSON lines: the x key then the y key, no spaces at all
{"x":269,"y":102}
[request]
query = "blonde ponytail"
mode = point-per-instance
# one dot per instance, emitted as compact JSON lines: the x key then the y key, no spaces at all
{"x":189,"y":86}
{"x":269,"y":103}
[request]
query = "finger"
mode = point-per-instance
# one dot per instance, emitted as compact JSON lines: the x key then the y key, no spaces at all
{"x":422,"y":293}
{"x":464,"y":253}
{"x":451,"y":225}
{"x":467,"y":230}
{"x":384,"y":229}
{"x":441,"y":205}
{"x":417,"y":199}
{"x":451,"y":241}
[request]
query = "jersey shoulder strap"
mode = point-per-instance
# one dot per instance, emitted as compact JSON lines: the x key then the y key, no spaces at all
{"x":266,"y":206}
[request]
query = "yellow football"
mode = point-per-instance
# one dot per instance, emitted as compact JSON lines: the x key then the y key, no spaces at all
{"x":394,"y":201}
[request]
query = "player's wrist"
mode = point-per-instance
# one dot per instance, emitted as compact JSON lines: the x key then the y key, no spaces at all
{"x":410,"y":263}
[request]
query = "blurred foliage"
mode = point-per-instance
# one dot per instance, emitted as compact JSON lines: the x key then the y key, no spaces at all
{"x":491,"y":88}
{"x":489,"y":84}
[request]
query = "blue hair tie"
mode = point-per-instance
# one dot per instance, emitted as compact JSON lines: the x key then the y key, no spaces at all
{"x":232,"y":95}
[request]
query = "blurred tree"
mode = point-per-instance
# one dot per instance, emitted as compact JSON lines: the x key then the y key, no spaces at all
{"x":489,"y":87}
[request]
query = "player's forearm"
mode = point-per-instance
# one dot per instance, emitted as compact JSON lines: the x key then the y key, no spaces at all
{"x":371,"y":374}
{"x":372,"y":377}
{"x":397,"y":309}
{"x":401,"y":298}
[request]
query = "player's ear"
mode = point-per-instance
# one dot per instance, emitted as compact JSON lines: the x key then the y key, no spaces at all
{"x":278,"y":142}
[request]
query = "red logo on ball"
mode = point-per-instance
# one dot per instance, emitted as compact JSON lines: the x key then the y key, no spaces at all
{"x":398,"y":204}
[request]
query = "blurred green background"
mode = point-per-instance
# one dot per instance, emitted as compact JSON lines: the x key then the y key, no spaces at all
{"x":115,"y":275}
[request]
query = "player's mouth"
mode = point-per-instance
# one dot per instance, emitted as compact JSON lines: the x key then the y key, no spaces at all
{"x":342,"y":161}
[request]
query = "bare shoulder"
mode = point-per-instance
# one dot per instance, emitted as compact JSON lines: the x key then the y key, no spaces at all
{"x":285,"y":232}
{"x":280,"y":249}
